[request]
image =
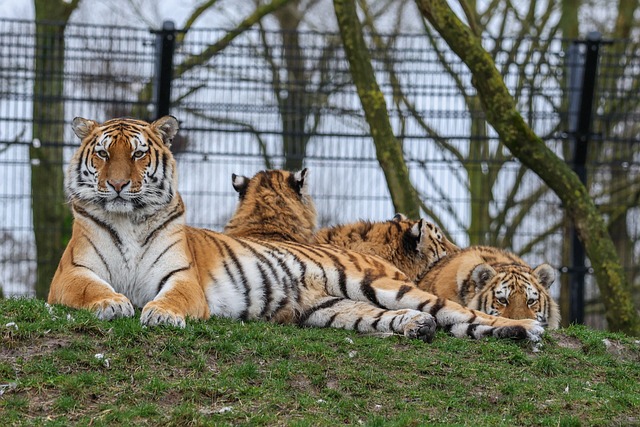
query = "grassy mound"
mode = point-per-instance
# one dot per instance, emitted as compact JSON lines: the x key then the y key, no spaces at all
{"x":60,"y":366}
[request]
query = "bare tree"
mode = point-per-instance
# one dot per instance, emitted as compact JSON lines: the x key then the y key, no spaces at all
{"x":523,"y":143}
{"x":51,"y":218}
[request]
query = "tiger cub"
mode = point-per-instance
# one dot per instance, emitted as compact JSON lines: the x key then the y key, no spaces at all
{"x":413,"y":247}
{"x":273,"y":205}
{"x":130,"y":247}
{"x":496,"y":282}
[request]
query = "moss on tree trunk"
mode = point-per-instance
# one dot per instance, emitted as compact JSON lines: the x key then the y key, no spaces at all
{"x":530,"y":150}
{"x":388,"y":149}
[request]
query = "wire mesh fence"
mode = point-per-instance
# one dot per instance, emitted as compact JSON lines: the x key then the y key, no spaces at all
{"x":275,"y":99}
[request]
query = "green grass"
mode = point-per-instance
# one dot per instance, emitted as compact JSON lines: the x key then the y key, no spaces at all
{"x":223,"y":372}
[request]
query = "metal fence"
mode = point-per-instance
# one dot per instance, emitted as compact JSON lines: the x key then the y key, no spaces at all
{"x":275,"y":99}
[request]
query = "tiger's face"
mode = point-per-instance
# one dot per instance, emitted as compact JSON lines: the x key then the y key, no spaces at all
{"x":123,"y":165}
{"x":516,"y":292}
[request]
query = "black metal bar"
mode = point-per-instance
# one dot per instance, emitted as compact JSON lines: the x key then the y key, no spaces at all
{"x":165,"y":48}
{"x":582,"y":134}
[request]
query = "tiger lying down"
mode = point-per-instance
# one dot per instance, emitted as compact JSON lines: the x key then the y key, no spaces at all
{"x":130,"y":248}
{"x":276,"y":205}
{"x":483,"y":278}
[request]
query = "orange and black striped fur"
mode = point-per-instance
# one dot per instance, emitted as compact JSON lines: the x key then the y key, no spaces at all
{"x":413,"y":247}
{"x":496,"y":282}
{"x":273,"y":205}
{"x":130,"y":248}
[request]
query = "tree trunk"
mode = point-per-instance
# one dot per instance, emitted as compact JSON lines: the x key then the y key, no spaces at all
{"x":51,"y":217}
{"x":480,"y":188}
{"x":530,"y":149}
{"x":388,"y":149}
{"x":294,"y":104}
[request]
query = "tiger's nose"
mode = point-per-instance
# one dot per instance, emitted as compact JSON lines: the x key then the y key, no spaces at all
{"x":118,"y":184}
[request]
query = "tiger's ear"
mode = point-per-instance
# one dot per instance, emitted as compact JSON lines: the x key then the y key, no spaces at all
{"x":299,"y":181}
{"x":82,"y":127}
{"x":167,"y":127}
{"x":419,"y":233}
{"x":240,"y":184}
{"x":481,"y":275}
{"x":399,"y":217}
{"x":546,"y":275}
{"x":416,"y":230}
{"x":419,"y":230}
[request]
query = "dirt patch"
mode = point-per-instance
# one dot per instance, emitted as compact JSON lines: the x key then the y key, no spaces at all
{"x":300,"y":382}
{"x":11,"y":350}
{"x":566,"y":341}
{"x":621,"y":351}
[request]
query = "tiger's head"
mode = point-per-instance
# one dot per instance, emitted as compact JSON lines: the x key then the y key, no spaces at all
{"x":425,"y":240}
{"x":123,"y":165}
{"x":516,"y":291}
{"x":273,"y":205}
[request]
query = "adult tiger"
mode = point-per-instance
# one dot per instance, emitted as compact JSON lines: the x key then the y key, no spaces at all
{"x":273,"y":205}
{"x":496,"y":282}
{"x":130,"y":247}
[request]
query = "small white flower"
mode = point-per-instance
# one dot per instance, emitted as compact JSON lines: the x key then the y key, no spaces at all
{"x":349,"y":340}
{"x":352,"y":354}
{"x":225,"y":409}
{"x":566,"y":389}
{"x":321,"y":401}
{"x":101,"y":357}
{"x":70,"y":318}
{"x":50,"y":311}
{"x":36,"y":143}
{"x":12,"y":325}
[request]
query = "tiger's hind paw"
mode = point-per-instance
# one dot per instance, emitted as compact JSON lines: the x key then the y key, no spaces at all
{"x":157,"y":316}
{"x":422,"y":327}
{"x":113,"y":308}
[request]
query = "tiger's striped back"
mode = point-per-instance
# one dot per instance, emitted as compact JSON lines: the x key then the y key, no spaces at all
{"x":496,"y":282}
{"x":273,"y":205}
{"x":411,"y":246}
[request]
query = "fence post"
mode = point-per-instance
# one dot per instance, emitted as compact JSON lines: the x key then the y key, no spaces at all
{"x":165,"y":48}
{"x":583,"y":78}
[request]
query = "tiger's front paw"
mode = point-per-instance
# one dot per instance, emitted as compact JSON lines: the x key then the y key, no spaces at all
{"x":422,"y":327}
{"x":531,"y":330}
{"x":153,"y":314}
{"x":113,"y":308}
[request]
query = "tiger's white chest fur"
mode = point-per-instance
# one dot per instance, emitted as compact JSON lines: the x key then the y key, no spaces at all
{"x":130,"y":257}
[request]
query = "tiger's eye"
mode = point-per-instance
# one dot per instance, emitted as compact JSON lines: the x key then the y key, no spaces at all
{"x":502,"y":300}
{"x":102,"y":153}
{"x":531,"y":301}
{"x":139,"y":154}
